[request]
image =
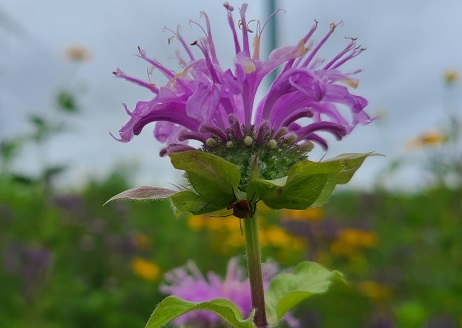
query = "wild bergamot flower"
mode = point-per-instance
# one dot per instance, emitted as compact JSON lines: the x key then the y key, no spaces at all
{"x":249,"y":151}
{"x":190,"y":284}
{"x":217,"y":106}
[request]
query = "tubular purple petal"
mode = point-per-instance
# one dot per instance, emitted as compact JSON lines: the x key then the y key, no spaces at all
{"x":237,"y":46}
{"x":263,"y":131}
{"x":337,"y":130}
{"x":175,"y":148}
{"x":295,"y":115}
{"x":210,"y":39}
{"x":207,"y":128}
{"x":314,"y":137}
{"x":236,"y":127}
{"x":280,"y":133}
{"x":245,"y":30}
{"x":166,"y":132}
{"x":190,"y":135}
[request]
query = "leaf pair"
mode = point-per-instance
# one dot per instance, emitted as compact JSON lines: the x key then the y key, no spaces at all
{"x":215,"y":182}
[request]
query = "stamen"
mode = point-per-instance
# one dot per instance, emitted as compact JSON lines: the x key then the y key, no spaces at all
{"x":269,"y":18}
{"x":353,"y":54}
{"x":177,"y":34}
{"x":118,"y":73}
{"x":319,"y":45}
{"x":168,"y":73}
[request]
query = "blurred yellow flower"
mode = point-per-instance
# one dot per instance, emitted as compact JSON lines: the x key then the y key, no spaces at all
{"x":374,"y":290}
{"x":200,"y":222}
{"x":144,"y":269}
{"x":277,"y":237}
{"x":451,"y":76}
{"x":351,"y":241}
{"x":77,"y":53}
{"x":310,"y":214}
{"x":226,"y":244}
{"x":141,"y":241}
{"x":429,"y":139}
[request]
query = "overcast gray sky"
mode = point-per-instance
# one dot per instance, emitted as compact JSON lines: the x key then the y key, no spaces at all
{"x":410,"y":44}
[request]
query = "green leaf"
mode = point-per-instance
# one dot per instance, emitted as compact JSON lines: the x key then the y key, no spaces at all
{"x":287,"y":290}
{"x":172,"y":307}
{"x":305,"y":183}
{"x":66,"y":102}
{"x":189,"y":201}
{"x":53,"y":171}
{"x":350,"y":164}
{"x":308,"y":184}
{"x":212,"y":178}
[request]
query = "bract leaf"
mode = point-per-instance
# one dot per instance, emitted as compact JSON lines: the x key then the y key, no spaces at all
{"x":308,"y":184}
{"x":286,"y":290}
{"x":304,"y":184}
{"x":211,"y":177}
{"x":143,"y":193}
{"x":350,"y":164}
{"x":173,"y":307}
{"x":189,"y":201}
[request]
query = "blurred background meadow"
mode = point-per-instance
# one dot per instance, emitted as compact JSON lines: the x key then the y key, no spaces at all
{"x":67,"y":261}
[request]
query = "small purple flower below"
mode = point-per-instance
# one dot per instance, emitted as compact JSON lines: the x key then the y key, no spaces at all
{"x":189,"y":284}
{"x":216,"y":106}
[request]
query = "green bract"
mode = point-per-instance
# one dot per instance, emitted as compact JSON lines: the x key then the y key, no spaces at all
{"x":214,"y":183}
{"x":308,"y":184}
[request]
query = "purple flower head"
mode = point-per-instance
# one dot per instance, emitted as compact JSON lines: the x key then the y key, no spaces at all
{"x":189,"y":284}
{"x":216,"y":106}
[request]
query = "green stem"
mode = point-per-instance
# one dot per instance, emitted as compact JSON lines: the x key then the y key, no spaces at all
{"x":252,"y":247}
